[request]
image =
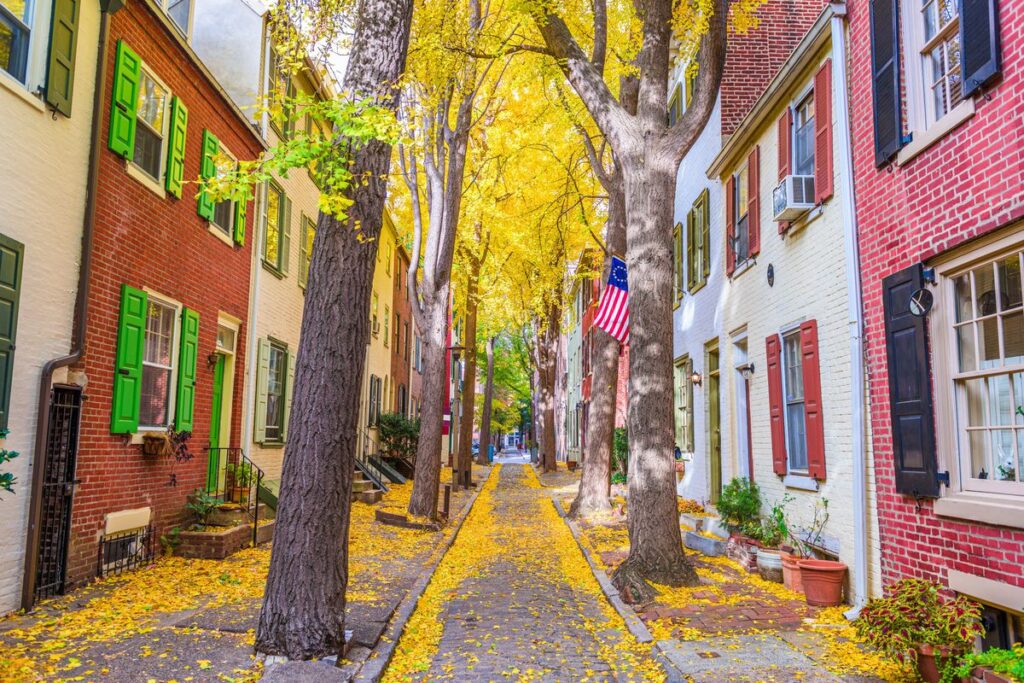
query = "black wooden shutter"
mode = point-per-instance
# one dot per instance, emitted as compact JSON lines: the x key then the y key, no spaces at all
{"x":910,"y":389}
{"x":979,"y":41}
{"x":885,"y":79}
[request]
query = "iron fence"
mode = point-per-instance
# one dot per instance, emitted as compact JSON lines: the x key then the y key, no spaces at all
{"x":235,"y":479}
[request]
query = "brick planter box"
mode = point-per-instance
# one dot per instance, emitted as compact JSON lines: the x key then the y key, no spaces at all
{"x":986,"y":675}
{"x":213,"y":545}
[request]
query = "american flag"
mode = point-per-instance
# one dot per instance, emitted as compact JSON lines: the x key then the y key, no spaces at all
{"x":613,"y":312}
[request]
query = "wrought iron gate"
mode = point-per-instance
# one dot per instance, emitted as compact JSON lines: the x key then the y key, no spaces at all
{"x":58,"y":489}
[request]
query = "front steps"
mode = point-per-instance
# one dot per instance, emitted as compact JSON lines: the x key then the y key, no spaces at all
{"x":364,"y":490}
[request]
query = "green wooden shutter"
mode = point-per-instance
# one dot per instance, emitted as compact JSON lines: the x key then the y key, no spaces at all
{"x":705,"y":232}
{"x":60,"y":68}
{"x":131,"y":343}
{"x":207,"y":170}
{"x":262,"y":376}
{"x":240,"y":210}
{"x":691,"y":252}
{"x":289,"y":364}
{"x":124,"y":101}
{"x":185,"y":405}
{"x":176,"y":147}
{"x":11,"y":257}
{"x":286,"y":236}
{"x":303,"y":253}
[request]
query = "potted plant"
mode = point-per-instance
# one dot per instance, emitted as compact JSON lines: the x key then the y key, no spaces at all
{"x":240,"y":475}
{"x":1007,"y":665}
{"x":739,"y":507}
{"x":155,"y":444}
{"x":803,"y":547}
{"x":771,"y":533}
{"x":915,"y":621}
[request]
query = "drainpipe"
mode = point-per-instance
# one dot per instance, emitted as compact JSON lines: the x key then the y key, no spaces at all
{"x":853,"y":297}
{"x":80,"y":318}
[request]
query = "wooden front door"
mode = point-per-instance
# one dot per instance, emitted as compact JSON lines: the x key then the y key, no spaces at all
{"x":216,"y":412}
{"x":714,"y":422}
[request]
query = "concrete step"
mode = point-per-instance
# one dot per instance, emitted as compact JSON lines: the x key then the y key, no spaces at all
{"x":368,"y":497}
{"x":362,"y":486}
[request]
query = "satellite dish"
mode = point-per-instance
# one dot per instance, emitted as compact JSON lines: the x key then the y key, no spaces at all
{"x":921,"y":302}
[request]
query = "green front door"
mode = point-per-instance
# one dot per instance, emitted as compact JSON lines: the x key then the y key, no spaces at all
{"x":213,"y":466}
{"x":714,"y":422}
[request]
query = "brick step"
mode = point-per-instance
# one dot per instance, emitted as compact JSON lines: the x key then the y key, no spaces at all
{"x":368,"y":497}
{"x":362,"y":485}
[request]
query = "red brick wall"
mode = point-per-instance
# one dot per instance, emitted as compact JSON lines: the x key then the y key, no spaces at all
{"x":402,"y":307}
{"x":147,"y":241}
{"x":755,"y":57}
{"x":967,"y":184}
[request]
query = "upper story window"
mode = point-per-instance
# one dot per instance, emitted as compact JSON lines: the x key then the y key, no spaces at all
{"x":374,"y":315}
{"x":280,"y":92}
{"x":803,"y":136}
{"x":277,"y":369}
{"x":741,"y":241}
{"x":224,"y":210}
{"x":180,"y":12}
{"x":276,"y":229}
{"x":938,"y":47}
{"x":151,"y":125}
{"x":387,"y":324}
{"x":306,"y":251}
{"x":677,"y":263}
{"x":16,"y":21}
{"x":158,"y":364}
{"x":698,"y":243}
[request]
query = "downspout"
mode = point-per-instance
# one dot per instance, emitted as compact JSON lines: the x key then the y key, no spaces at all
{"x":80,"y":318}
{"x":853,"y":298}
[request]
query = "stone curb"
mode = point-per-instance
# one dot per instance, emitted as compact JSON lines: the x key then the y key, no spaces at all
{"x":635,"y":625}
{"x":373,"y":668}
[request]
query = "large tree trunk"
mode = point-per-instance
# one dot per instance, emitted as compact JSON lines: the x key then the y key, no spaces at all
{"x":426,"y":477}
{"x":548,"y":369}
{"x":655,"y":542}
{"x":485,"y":413}
{"x":303,"y":612}
{"x":595,"y":482}
{"x":465,"y":461}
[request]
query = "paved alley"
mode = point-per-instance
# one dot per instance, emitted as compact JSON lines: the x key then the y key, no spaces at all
{"x":514,"y":599}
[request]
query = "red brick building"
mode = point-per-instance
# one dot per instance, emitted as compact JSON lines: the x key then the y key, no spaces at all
{"x":402,"y":349}
{"x":169,"y":290}
{"x":937,"y":92}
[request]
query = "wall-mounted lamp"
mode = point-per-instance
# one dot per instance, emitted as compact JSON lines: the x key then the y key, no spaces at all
{"x":455,"y":352}
{"x":746,"y":370}
{"x":211,"y":360}
{"x":696,"y":378}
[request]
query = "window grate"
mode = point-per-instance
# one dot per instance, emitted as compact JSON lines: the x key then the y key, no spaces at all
{"x":125,"y":551}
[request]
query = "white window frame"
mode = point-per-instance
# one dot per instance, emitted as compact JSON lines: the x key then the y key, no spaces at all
{"x":187,"y":30}
{"x":278,"y":265}
{"x":278,"y":346}
{"x":172,"y":390}
{"x":135,"y":170}
{"x":226,"y":232}
{"x":951,"y":443}
{"x":741,"y":180}
{"x":787,"y":331}
{"x":36,"y":56}
{"x":794,"y":106}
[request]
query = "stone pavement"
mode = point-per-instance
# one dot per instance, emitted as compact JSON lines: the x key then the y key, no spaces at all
{"x":529,"y":610}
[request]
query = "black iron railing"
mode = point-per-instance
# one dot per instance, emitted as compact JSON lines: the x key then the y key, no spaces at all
{"x":365,"y":458}
{"x":235,"y":479}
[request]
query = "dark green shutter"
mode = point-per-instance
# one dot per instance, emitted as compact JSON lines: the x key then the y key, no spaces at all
{"x":691,"y":251}
{"x":60,"y":68}
{"x":131,"y":342}
{"x":124,"y":101}
{"x":207,"y":170}
{"x":176,"y":147}
{"x":284,"y":245}
{"x":705,"y":232}
{"x":979,"y":41}
{"x":185,"y":404}
{"x":885,"y":79}
{"x":240,"y":221}
{"x":11,"y":257}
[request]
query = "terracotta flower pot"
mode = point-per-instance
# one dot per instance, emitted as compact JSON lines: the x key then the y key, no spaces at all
{"x":791,"y":575}
{"x":928,"y":662}
{"x":823,"y":582}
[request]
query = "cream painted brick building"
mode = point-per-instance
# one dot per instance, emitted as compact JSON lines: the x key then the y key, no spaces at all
{"x":42,"y":205}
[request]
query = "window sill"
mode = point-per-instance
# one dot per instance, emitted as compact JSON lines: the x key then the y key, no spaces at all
{"x":938,"y":130}
{"x":144,"y":178}
{"x":697,"y":288}
{"x":988,"y":508}
{"x":20,"y":91}
{"x":219,"y":234}
{"x":267,"y":265}
{"x":743,"y":267}
{"x":809,"y":217}
{"x":801,"y":482}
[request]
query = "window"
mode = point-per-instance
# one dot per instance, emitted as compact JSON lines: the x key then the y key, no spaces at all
{"x":939,"y":54}
{"x":306,"y":250}
{"x":224,"y":210}
{"x":677,"y":263}
{"x":793,"y":390}
{"x":281,"y":91}
{"x":15,"y":28}
{"x":158,"y":364}
{"x":684,"y":404}
{"x":180,"y":12}
{"x":407,"y":340}
{"x":276,"y":376}
{"x":387,"y":261}
{"x":374,"y":322}
{"x":151,"y":126}
{"x":988,"y":382}
{"x":316,"y":130}
{"x":803,"y":136}
{"x":741,"y":241}
{"x":398,"y":333}
{"x":275,"y":232}
{"x":675,"y":105}
{"x":698,"y":238}
{"x":418,"y":364}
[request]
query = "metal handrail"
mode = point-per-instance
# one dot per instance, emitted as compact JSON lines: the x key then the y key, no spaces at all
{"x":367,"y":467}
{"x":238,"y":481}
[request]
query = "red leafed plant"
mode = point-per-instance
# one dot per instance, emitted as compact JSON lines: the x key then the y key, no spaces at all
{"x":914,"y":612}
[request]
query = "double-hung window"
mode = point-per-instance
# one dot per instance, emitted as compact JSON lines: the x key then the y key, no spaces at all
{"x":387,"y":324}
{"x":306,"y":251}
{"x":803,"y":136}
{"x":224,"y":210}
{"x":793,"y":390}
{"x":375,"y":315}
{"x":988,"y":383}
{"x":280,"y":95}
{"x":158,"y":364}
{"x":151,"y":125}
{"x":677,"y":264}
{"x":277,"y":373}
{"x":684,"y":404}
{"x":698,"y":248}
{"x":180,"y":12}
{"x":938,"y":54}
{"x":741,"y":240}
{"x":276,"y":229}
{"x":16,"y":20}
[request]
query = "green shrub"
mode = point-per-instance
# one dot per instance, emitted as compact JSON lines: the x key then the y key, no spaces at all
{"x":399,"y":436}
{"x":1006,"y":662}
{"x":620,"y":452}
{"x":618,"y":478}
{"x":740,"y":504}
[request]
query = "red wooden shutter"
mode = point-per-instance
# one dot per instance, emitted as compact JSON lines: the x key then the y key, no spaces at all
{"x":730,"y":224}
{"x":754,"y":200}
{"x":823,"y":132}
{"x":813,"y":417}
{"x":775,"y":406}
{"x":785,"y":150}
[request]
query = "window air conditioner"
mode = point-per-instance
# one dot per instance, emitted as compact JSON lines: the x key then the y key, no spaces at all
{"x":793,"y":197}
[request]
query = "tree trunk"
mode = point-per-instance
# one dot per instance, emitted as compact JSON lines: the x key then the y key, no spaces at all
{"x":595,"y":482}
{"x":548,"y":370}
{"x":303,"y":612}
{"x":655,"y":542}
{"x":465,"y":461}
{"x":426,"y":477}
{"x":485,"y":413}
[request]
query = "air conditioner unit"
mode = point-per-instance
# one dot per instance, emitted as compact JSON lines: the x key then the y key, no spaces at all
{"x":793,"y":197}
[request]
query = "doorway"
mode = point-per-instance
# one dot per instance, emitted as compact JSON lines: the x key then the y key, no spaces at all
{"x":741,"y":392}
{"x":714,"y":419}
{"x":220,"y":403}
